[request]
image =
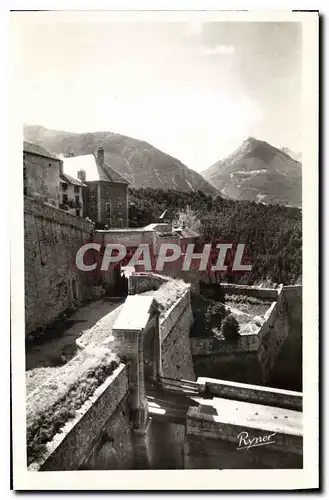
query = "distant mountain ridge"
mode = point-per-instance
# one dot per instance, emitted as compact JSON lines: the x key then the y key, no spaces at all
{"x":292,"y":154}
{"x":257,"y":171}
{"x":140,"y":163}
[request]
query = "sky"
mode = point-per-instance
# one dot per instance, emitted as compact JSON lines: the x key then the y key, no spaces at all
{"x":194,"y":90}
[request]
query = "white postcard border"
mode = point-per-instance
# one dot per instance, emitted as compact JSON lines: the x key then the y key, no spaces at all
{"x":184,"y":479}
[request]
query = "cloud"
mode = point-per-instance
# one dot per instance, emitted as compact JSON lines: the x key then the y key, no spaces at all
{"x":218,"y":50}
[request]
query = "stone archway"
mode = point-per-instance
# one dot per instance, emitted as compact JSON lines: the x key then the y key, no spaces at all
{"x":139,"y":321}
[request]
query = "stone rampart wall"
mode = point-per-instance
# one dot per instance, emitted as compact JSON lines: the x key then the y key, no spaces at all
{"x":143,"y":282}
{"x":287,"y":366}
{"x":204,"y":425}
{"x":53,"y":283}
{"x":74,"y":447}
{"x":177,"y":361}
{"x":201,"y":346}
{"x":272,"y":334}
{"x":172,"y":316}
{"x":253,"y":393}
{"x":249,"y":291}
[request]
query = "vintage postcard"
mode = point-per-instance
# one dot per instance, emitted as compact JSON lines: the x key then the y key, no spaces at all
{"x":164,"y":168}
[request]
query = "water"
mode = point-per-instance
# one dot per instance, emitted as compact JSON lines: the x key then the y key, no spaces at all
{"x":165,"y":445}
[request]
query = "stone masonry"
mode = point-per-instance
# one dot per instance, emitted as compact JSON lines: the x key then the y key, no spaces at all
{"x":53,"y":284}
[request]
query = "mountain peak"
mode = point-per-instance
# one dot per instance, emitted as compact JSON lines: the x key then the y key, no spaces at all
{"x":257,"y":171}
{"x":250,"y":139}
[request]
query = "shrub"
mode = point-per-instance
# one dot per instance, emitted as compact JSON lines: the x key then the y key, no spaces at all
{"x":58,"y":399}
{"x":215,"y":315}
{"x":189,"y":218}
{"x":200,"y":326}
{"x":230,"y":328}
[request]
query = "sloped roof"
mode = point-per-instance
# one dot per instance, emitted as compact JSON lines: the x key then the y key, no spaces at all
{"x":166,"y":215}
{"x":135,"y":313}
{"x":95,"y":171}
{"x":36,"y":149}
{"x":113,"y":175}
{"x":152,"y":227}
{"x":72,"y":180}
{"x":186,"y":232}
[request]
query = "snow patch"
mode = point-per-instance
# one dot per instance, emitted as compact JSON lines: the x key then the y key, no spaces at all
{"x":190,"y":185}
{"x":249,"y":173}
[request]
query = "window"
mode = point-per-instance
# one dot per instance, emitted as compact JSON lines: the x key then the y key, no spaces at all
{"x":92,"y":191}
{"x":65,"y":199}
{"x":77,"y":189}
{"x":108,"y":209}
{"x":77,"y":212}
{"x":65,"y":186}
{"x":49,"y":164}
{"x":77,"y":200}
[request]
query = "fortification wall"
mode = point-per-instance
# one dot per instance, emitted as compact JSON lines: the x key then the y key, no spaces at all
{"x":250,"y":291}
{"x":130,"y":238}
{"x":231,"y":289}
{"x":293,"y":296}
{"x":94,"y":430}
{"x":53,"y":283}
{"x":287,"y":367}
{"x":202,"y":346}
{"x":274,"y":350}
{"x":235,"y":366}
{"x":200,"y":423}
{"x":113,"y":447}
{"x":174,"y":270}
{"x":176,"y":355}
{"x":216,"y":440}
{"x":42,"y":178}
{"x":201,"y":452}
{"x":253,"y":393}
{"x":218,"y":358}
{"x":177,"y":361}
{"x":143,"y":282}
{"x":272,"y":334}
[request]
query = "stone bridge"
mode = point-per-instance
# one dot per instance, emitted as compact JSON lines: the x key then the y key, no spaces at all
{"x":155,"y":386}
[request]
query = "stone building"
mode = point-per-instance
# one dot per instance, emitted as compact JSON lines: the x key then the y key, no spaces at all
{"x":41,"y":171}
{"x":106,"y":197}
{"x":187,"y":236}
{"x":71,"y":194}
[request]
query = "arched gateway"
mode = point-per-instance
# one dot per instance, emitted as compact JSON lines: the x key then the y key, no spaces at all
{"x":136,"y":335}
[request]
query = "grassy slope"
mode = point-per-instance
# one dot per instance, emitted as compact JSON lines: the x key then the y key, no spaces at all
{"x":50,"y":406}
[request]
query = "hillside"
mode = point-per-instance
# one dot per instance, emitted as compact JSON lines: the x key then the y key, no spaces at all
{"x":137,"y":161}
{"x":272,"y":233}
{"x":257,"y":171}
{"x":294,"y":155}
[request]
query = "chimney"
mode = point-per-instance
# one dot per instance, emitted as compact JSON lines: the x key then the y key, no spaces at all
{"x":82,"y":175}
{"x":100,"y":155}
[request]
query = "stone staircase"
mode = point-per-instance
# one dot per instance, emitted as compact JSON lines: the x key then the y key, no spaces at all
{"x":171,"y":401}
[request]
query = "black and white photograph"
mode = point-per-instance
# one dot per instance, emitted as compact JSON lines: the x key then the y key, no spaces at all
{"x":165,"y":304}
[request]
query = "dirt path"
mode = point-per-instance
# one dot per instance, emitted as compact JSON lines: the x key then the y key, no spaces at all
{"x":58,"y":345}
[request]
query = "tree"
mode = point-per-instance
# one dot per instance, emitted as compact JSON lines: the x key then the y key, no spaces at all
{"x":272,"y":233}
{"x":230,"y":328}
{"x":215,"y":315}
{"x":188,"y":218}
